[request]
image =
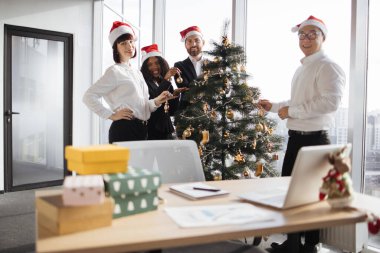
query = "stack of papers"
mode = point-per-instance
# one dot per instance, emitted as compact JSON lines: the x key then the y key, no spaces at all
{"x":197,"y":190}
{"x":216,"y":215}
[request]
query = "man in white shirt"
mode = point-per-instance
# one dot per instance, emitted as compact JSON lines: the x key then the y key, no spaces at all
{"x":316,"y":93}
{"x":191,"y":67}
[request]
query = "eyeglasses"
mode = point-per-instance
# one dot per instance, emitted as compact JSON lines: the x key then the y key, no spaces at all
{"x":310,"y":36}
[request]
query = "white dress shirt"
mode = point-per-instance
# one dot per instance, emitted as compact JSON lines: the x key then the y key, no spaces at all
{"x":316,"y":93}
{"x":197,"y":64}
{"x":122,"y":87}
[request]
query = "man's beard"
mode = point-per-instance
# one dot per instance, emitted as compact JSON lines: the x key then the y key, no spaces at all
{"x":194,"y":52}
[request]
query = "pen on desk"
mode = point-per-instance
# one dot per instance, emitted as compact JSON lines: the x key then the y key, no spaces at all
{"x":206,"y":189}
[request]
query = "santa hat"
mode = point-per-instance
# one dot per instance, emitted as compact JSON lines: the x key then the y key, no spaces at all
{"x":149,"y":51}
{"x":311,"y":21}
{"x":119,"y":28}
{"x":192,"y":30}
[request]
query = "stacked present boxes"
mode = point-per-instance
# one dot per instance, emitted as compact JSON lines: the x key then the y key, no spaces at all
{"x":104,"y":188}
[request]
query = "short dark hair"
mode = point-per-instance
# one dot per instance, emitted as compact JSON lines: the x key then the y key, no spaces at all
{"x":164,"y":67}
{"x":121,"y":38}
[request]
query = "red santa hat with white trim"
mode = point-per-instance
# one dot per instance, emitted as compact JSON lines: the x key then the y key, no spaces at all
{"x":149,"y":51}
{"x":311,"y":21}
{"x":119,"y":28}
{"x":192,"y":30}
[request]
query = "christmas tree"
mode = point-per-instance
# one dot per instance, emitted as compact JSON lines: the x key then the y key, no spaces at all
{"x":234,"y":135}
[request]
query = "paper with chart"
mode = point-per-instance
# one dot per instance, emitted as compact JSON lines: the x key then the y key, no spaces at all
{"x":216,"y":215}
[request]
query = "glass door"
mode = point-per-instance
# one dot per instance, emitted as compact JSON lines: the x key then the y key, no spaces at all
{"x":36,"y":110}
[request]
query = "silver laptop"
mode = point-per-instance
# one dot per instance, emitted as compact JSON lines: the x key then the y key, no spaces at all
{"x":310,"y":167}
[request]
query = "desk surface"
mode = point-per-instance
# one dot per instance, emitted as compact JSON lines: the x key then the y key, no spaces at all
{"x":153,"y":230}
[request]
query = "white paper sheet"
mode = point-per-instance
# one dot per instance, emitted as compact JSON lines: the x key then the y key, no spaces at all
{"x":216,"y":215}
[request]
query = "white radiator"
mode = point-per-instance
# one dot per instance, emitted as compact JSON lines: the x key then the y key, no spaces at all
{"x":351,"y":238}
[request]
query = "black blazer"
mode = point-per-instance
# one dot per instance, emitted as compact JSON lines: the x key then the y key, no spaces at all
{"x":159,"y":122}
{"x":188,"y":74}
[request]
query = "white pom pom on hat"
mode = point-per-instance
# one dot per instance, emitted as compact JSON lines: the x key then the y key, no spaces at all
{"x":311,"y":21}
{"x":192,"y":30}
{"x":149,"y":51}
{"x":119,"y":28}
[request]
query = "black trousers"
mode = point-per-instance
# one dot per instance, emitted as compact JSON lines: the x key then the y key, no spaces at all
{"x":127,"y":130}
{"x":295,"y":143}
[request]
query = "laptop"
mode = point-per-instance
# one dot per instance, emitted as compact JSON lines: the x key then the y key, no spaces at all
{"x":310,"y":167}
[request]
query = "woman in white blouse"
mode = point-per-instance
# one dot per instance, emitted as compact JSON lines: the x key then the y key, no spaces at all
{"x":124,"y":89}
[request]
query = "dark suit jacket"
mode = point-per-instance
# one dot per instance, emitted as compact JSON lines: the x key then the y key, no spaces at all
{"x":188,"y":74}
{"x":159,"y":123}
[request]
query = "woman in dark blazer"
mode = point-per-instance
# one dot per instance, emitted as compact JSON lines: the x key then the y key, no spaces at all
{"x":157,"y":75}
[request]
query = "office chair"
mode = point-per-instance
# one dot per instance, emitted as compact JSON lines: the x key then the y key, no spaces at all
{"x":179,"y":162}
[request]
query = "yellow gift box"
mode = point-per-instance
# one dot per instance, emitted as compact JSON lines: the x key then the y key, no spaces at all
{"x":97,"y":159}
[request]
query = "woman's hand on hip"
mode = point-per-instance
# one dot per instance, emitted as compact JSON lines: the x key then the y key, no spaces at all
{"x":122,"y":114}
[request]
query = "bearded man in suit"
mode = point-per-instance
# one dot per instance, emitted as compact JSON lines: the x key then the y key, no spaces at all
{"x":191,"y":67}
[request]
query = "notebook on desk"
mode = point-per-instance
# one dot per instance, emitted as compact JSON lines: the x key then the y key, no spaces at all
{"x":310,"y":167}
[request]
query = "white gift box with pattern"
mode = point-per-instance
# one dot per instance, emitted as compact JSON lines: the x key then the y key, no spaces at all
{"x":83,"y":190}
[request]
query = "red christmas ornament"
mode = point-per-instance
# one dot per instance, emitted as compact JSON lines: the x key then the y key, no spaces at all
{"x":374,"y":226}
{"x":322,"y":196}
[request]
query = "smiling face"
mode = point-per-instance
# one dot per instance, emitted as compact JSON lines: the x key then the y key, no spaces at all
{"x":154,"y":67}
{"x":194,"y":44}
{"x":307,"y":45}
{"x":126,"y":49}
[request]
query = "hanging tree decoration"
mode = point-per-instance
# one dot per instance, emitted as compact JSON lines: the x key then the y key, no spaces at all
{"x":224,"y":103}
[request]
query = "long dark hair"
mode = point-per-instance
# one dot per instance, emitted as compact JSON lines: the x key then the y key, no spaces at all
{"x":121,"y":38}
{"x":164,"y":67}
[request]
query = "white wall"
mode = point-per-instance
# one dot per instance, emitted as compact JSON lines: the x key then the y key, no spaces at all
{"x":69,"y":16}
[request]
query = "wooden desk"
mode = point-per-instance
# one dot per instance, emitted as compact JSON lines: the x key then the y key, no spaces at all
{"x":154,"y":230}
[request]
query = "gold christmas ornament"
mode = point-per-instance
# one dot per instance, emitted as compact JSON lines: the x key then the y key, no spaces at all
{"x":270,"y":131}
{"x":230,"y":114}
{"x":247,"y":173}
{"x":217,"y":59}
{"x":259,"y":169}
{"x":239,"y":157}
{"x":205,"y":107}
{"x":217,"y":175}
{"x":226,"y":41}
{"x":226,"y":134}
{"x":254,"y":143}
{"x":259,"y":127}
{"x":179,"y":79}
{"x":200,"y":151}
{"x":186,"y":133}
{"x":222,"y":91}
{"x":166,"y":106}
{"x":261,"y":112}
{"x":265,"y":128}
{"x":213,"y":114}
{"x":242,"y":68}
{"x":205,"y":137}
{"x":227,"y":83}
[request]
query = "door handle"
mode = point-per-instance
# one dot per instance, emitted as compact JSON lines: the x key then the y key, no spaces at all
{"x":9,"y":113}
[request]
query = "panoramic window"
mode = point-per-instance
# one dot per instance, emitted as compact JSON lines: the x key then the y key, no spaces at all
{"x":372,"y":140}
{"x":273,"y":53}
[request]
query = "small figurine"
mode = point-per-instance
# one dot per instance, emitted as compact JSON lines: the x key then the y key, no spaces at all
{"x":337,"y":184}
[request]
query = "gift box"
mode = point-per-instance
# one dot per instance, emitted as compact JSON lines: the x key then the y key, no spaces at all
{"x":97,"y":159}
{"x":83,"y":190}
{"x":133,"y":192}
{"x":57,"y":219}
